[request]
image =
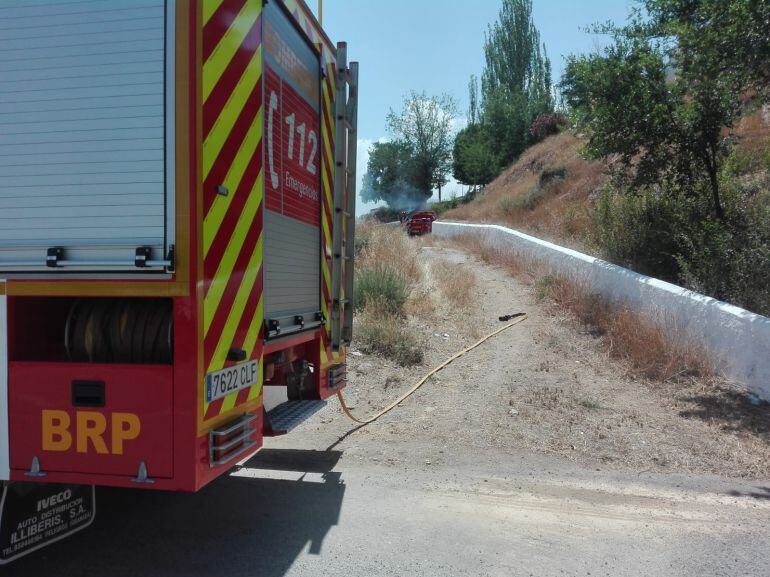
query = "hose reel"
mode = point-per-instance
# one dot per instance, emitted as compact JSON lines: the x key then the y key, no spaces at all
{"x":136,"y":331}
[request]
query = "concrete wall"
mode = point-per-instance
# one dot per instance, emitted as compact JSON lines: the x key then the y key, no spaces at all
{"x":738,"y":339}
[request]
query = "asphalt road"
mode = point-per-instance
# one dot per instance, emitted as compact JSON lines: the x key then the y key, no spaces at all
{"x":290,"y":512}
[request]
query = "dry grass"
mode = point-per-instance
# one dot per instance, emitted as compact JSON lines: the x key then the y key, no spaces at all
{"x":381,"y":332}
{"x":627,"y":336}
{"x":680,"y":379}
{"x":389,"y":290}
{"x":560,"y":209}
{"x":753,"y":130}
{"x":378,"y":244}
{"x":455,"y":283}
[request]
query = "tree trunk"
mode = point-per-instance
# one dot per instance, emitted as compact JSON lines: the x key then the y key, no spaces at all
{"x":711,"y":167}
{"x":715,"y":192}
{"x":439,"y":193}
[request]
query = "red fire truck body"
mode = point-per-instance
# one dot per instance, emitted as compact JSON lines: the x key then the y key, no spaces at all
{"x":175,"y":205}
{"x":420,"y":222}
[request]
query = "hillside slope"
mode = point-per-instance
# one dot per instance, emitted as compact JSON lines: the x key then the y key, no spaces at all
{"x":549,"y":191}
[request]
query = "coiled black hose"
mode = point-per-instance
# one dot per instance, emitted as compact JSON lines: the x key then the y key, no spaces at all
{"x":137,"y":331}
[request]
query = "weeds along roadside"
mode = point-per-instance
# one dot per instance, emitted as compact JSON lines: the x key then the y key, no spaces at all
{"x":625,"y":335}
{"x":681,"y":378}
{"x":394,"y":287}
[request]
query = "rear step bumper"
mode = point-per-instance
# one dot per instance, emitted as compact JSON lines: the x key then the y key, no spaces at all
{"x":288,"y":415}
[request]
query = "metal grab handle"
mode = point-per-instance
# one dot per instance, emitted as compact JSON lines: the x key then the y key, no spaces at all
{"x":244,"y":421}
{"x":111,"y":263}
{"x":246,"y":447}
{"x":233,"y":442}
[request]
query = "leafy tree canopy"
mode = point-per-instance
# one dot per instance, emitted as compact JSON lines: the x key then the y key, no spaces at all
{"x":662,"y":93}
{"x":405,"y":171}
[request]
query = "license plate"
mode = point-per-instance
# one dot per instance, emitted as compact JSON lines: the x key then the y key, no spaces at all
{"x":230,"y":380}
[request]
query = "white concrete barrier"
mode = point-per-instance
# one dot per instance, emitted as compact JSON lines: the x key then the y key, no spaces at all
{"x":739,"y":340}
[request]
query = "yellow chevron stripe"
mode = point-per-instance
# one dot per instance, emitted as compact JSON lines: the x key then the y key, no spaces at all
{"x":209,"y":8}
{"x":328,"y":149}
{"x":236,"y":311}
{"x":225,"y":269}
{"x":327,"y":282}
{"x":332,"y":78}
{"x":327,"y":108}
{"x":328,"y":104}
{"x":252,"y":335}
{"x":325,"y":310}
{"x":232,"y":40}
{"x":327,"y":190}
{"x":257,"y":389}
{"x":327,"y":234}
{"x":221,"y":204}
{"x":214,"y":142}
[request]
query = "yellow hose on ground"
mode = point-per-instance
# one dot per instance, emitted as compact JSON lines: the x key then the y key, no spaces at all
{"x":422,"y":381}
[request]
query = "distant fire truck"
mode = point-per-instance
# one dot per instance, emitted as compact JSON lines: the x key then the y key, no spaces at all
{"x":420,"y":222}
{"x":177,"y":209}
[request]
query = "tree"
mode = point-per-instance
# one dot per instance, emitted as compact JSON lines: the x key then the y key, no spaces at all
{"x":475,"y":162}
{"x":662,"y":122}
{"x":507,"y":121}
{"x":474,"y":111}
{"x":516,"y":81}
{"x":425,"y":127}
{"x":727,"y":38}
{"x":388,"y":176}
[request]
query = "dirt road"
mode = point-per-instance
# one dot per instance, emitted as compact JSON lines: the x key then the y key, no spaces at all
{"x":532,"y":455}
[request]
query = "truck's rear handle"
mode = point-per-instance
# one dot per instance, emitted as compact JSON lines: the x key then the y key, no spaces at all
{"x":83,"y":263}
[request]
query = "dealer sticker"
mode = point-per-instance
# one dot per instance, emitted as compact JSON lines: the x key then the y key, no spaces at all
{"x":34,"y":515}
{"x":231,"y":380}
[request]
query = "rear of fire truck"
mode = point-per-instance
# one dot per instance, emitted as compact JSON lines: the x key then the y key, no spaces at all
{"x":177,"y":207}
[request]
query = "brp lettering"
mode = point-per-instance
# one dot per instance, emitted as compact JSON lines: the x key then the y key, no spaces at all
{"x":89,"y":433}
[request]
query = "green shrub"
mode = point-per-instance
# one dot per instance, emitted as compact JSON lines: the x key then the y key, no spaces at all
{"x":550,"y":175}
{"x":544,"y":285}
{"x":673,"y":235}
{"x":509,"y":205}
{"x":382,"y":285}
{"x":443,"y":206}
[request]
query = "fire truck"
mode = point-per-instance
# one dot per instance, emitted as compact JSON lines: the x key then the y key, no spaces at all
{"x":177,"y":209}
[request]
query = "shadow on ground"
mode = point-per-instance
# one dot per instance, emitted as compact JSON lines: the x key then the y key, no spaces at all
{"x":733,"y":410}
{"x":760,"y":493}
{"x":238,"y":525}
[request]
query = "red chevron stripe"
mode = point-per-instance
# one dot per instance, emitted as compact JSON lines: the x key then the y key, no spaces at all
{"x":219,"y":24}
{"x":326,"y":296}
{"x":230,"y":221}
{"x":327,"y":213}
{"x":214,"y":408}
{"x":243,"y":396}
{"x":248,"y":314}
{"x":229,"y":151}
{"x":231,"y":76}
{"x":219,"y":321}
{"x":329,"y":166}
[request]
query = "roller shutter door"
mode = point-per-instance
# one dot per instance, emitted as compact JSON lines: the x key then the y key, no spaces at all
{"x":292,"y":245}
{"x":84,"y":140}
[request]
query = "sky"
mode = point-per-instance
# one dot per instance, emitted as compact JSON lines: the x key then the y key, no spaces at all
{"x":435,"y":46}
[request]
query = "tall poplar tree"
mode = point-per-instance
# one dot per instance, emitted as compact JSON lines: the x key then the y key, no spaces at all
{"x":516,"y":81}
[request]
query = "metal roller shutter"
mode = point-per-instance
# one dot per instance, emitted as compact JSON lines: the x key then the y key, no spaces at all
{"x":292,"y":217}
{"x":83,"y":132}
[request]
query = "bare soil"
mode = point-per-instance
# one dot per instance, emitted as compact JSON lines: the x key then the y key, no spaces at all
{"x":543,"y":386}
